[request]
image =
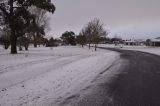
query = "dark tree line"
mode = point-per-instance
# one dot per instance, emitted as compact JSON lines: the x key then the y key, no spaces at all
{"x":68,"y":38}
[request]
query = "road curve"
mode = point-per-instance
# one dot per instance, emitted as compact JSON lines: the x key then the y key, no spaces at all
{"x":138,"y":83}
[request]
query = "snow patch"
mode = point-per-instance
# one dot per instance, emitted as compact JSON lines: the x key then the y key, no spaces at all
{"x":44,"y":76}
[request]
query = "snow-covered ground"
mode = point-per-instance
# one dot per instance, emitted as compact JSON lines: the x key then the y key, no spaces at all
{"x":44,"y":76}
{"x":153,"y":50}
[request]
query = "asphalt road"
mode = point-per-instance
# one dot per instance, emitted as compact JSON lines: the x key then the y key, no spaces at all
{"x":137,"y":84}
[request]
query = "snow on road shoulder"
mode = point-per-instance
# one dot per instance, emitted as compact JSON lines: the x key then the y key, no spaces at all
{"x":152,"y":50}
{"x":46,"y":81}
{"x":148,"y":49}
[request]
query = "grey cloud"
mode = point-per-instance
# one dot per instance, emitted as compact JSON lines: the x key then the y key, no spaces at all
{"x":120,"y":16}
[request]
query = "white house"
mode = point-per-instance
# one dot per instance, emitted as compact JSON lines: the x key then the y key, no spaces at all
{"x":137,"y":42}
{"x":155,"y":42}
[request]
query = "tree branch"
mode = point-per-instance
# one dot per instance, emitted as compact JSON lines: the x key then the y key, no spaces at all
{"x":3,"y":9}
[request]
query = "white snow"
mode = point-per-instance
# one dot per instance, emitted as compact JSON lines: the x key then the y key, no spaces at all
{"x":44,"y":76}
{"x":148,"y":49}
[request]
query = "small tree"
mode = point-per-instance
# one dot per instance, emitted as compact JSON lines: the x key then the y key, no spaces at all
{"x":5,"y":41}
{"x":81,"y":39}
{"x":86,"y":31}
{"x":40,"y":23}
{"x":36,"y":32}
{"x":148,"y":42}
{"x":94,"y":31}
{"x":5,"y":37}
{"x":23,"y":41}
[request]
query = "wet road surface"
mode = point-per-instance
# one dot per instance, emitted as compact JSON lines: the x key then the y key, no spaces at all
{"x":136,"y":84}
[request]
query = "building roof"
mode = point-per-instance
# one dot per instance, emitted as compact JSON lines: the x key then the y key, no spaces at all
{"x":135,"y":40}
{"x":129,"y":41}
{"x":155,"y":40}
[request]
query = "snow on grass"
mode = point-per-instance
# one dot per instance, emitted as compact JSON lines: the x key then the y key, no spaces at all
{"x":44,"y":76}
{"x":152,"y":50}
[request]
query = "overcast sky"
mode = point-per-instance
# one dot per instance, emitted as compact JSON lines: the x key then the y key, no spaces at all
{"x":128,"y":18}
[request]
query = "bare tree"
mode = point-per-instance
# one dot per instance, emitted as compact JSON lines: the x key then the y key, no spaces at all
{"x":81,"y":39}
{"x":5,"y":36}
{"x":87,"y":32}
{"x":40,"y":24}
{"x":94,"y":30}
{"x":41,"y":17}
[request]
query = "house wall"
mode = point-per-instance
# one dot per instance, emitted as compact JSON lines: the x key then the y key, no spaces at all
{"x":155,"y":44}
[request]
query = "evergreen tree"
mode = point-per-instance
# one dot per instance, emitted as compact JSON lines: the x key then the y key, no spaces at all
{"x":18,"y":17}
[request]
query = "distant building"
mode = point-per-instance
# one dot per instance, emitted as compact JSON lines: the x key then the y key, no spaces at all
{"x":155,"y":42}
{"x":129,"y":42}
{"x":137,"y":42}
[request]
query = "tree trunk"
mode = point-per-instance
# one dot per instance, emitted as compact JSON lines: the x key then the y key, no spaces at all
{"x":13,"y":37}
{"x":20,"y":48}
{"x":35,"y":39}
{"x":5,"y":46}
{"x":82,"y":45}
{"x":13,"y":42}
{"x":89,"y":46}
{"x":95,"y":47}
{"x":26,"y":47}
{"x":35,"y":44}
